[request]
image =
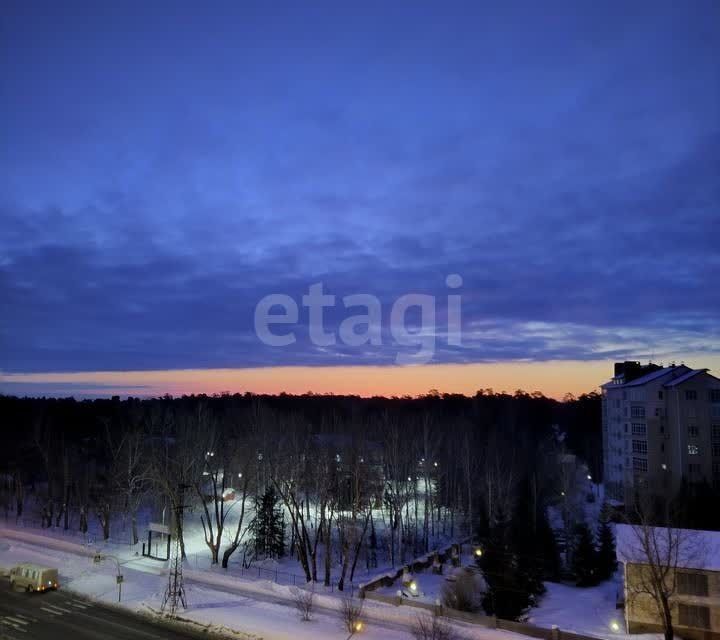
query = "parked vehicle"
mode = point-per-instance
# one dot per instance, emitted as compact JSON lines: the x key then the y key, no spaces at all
{"x":33,"y":577}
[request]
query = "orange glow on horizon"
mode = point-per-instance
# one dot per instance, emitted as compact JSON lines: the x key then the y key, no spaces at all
{"x":553,"y":378}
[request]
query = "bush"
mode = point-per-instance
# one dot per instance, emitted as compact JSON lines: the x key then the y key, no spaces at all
{"x":351,"y":614}
{"x":432,"y":628}
{"x":464,"y":593}
{"x":304,"y":602}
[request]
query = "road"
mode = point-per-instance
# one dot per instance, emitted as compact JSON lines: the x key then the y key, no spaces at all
{"x":55,"y":614}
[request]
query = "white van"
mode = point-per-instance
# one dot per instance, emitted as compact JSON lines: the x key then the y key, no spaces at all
{"x":33,"y":577}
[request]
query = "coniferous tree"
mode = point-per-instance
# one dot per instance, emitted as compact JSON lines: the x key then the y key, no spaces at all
{"x":267,"y":528}
{"x":510,"y":589}
{"x":584,"y":563}
{"x":606,"y":558}
{"x":548,"y":550}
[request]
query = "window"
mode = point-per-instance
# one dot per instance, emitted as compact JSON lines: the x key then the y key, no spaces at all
{"x":639,"y":429}
{"x":693,"y":431}
{"x":691,"y":394}
{"x":659,"y":412}
{"x":716,"y":449}
{"x":716,"y":432}
{"x":694,"y":468}
{"x":639,"y":446}
{"x":692,"y":412}
{"x":660,"y":394}
{"x":637,"y":412}
{"x":715,"y":411}
{"x":694,"y":616}
{"x":714,"y":395}
{"x":640,"y":464}
{"x":692,"y":584}
{"x":693,"y":450}
{"x":626,"y":427}
{"x":617,"y":404}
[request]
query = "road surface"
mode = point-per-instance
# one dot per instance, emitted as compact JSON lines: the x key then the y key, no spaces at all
{"x":55,"y":614}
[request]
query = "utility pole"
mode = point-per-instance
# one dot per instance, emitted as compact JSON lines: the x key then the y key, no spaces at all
{"x":175,"y":590}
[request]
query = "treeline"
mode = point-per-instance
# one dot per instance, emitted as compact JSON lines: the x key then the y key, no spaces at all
{"x":355,"y":477}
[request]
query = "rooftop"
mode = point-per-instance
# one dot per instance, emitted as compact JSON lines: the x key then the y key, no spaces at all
{"x":696,"y":549}
{"x":685,"y":377}
{"x":679,"y":371}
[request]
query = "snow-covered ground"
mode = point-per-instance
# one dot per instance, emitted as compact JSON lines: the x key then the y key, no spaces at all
{"x":221,"y":602}
{"x":429,"y":584}
{"x":588,"y":611}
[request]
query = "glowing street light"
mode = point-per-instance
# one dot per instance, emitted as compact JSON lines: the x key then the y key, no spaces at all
{"x":615,"y":626}
{"x":478,"y":552}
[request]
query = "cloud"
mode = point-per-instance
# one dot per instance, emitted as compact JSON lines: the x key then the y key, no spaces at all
{"x":567,"y":173}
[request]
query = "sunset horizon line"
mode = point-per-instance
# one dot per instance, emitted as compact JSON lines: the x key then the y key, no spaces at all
{"x":553,"y":378}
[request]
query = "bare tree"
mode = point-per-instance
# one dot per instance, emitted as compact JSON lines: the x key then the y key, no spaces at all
{"x":653,"y":556}
{"x":128,"y":472}
{"x":174,"y":460}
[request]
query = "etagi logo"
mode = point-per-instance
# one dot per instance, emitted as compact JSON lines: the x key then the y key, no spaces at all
{"x":364,"y":328}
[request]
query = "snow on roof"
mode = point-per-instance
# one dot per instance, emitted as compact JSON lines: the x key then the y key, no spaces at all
{"x":648,"y":377}
{"x":696,"y":549}
{"x":683,"y":378}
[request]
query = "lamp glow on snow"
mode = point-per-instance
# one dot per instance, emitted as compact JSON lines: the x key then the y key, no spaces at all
{"x":413,"y":586}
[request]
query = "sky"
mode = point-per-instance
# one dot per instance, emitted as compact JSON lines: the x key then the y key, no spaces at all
{"x":165,"y":166}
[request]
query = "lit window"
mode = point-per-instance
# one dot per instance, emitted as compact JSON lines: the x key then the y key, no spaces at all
{"x":693,"y":450}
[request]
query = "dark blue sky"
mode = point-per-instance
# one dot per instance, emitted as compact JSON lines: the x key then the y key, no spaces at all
{"x":166,"y":166}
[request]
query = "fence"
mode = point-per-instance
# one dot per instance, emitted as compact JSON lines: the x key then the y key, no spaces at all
{"x":417,"y":564}
{"x":120,"y":536}
{"x":202,"y":561}
{"x":367,"y":591}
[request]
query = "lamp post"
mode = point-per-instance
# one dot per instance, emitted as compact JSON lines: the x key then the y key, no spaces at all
{"x":100,"y":557}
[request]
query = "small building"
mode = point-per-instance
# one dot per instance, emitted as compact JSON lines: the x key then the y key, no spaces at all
{"x":693,"y":567}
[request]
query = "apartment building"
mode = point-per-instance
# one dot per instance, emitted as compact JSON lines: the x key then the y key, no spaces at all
{"x":660,"y":425}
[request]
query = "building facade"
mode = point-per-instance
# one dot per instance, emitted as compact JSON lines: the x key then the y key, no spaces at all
{"x":693,"y":578}
{"x":661,"y":425}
